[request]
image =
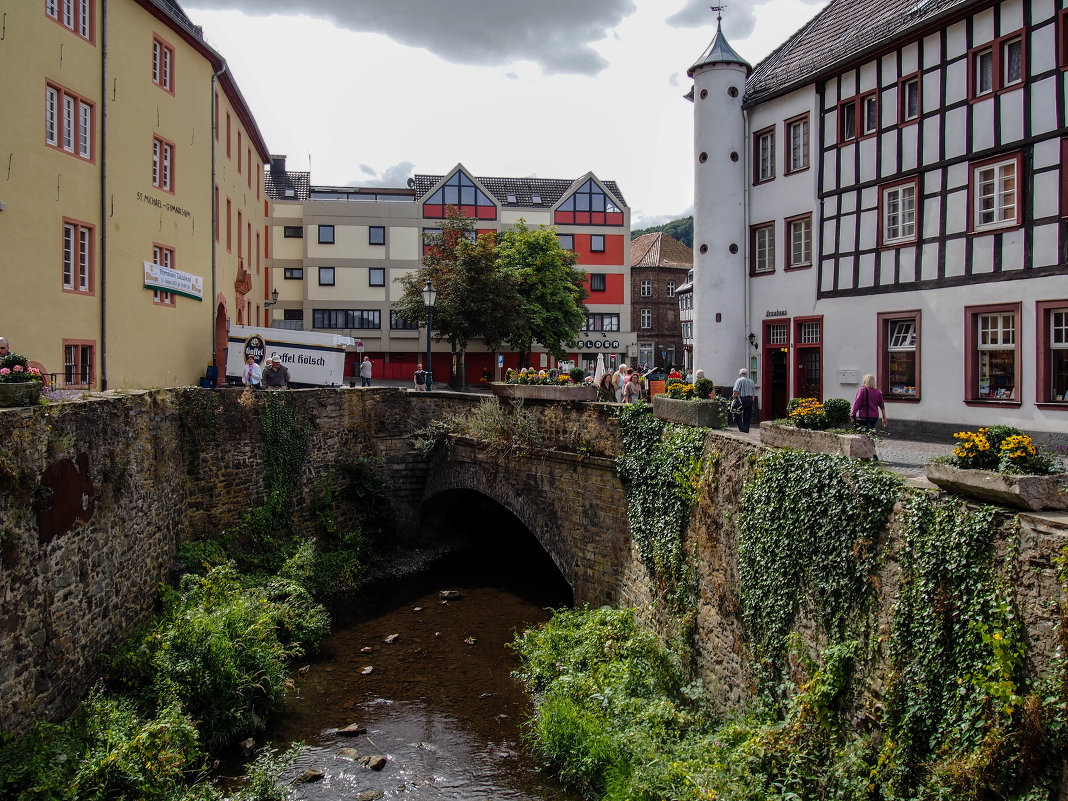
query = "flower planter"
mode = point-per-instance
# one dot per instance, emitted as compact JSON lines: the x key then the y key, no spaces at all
{"x":1032,"y":493}
{"x":19,"y":393}
{"x":855,"y":446}
{"x":570,"y":392}
{"x":703,"y":413}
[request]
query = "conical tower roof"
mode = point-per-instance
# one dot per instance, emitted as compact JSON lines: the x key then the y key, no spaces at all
{"x":719,"y":52}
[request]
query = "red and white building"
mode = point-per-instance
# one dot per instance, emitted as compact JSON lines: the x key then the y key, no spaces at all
{"x":336,"y":254}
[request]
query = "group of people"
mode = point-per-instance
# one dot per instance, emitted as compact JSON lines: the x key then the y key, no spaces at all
{"x":620,"y":386}
{"x":273,"y":374}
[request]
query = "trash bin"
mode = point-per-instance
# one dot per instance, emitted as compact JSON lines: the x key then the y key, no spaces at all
{"x":207,"y":383}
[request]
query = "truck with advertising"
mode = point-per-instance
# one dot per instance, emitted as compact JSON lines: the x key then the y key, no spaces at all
{"x":314,"y":359}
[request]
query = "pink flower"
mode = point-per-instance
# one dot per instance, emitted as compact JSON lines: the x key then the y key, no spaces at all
{"x":18,"y":368}
{"x":4,"y":371}
{"x":34,"y":371}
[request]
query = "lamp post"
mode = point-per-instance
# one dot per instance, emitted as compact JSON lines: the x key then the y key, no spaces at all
{"x":429,"y":296}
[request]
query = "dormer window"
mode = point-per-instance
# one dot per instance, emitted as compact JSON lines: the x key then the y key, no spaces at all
{"x":589,"y":205}
{"x":511,"y":198}
{"x":460,"y":192}
{"x":536,"y":200}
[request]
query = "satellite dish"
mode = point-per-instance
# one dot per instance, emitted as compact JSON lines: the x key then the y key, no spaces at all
{"x":411,"y":183}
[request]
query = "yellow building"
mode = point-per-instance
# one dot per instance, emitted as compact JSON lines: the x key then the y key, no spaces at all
{"x":131,"y":232}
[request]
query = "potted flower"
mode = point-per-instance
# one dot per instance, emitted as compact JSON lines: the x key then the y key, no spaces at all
{"x":1001,"y":464}
{"x":819,"y":427}
{"x":20,"y":384}
{"x":543,"y":385}
{"x":684,"y":403}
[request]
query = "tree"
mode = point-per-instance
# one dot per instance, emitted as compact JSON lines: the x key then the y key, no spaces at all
{"x":551,"y":290}
{"x":475,"y":298}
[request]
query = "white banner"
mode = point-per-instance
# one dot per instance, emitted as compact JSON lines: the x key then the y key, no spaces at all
{"x":167,"y":280}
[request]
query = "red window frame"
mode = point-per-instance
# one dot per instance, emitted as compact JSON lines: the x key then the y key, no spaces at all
{"x":995,"y":227}
{"x":971,"y":354}
{"x":161,"y":297}
{"x":77,"y":226}
{"x":90,"y":380}
{"x":81,"y":8}
{"x":801,"y":350}
{"x":883,"y":339}
{"x":162,"y":51}
{"x":788,"y":245}
{"x":757,"y":137}
{"x":753,"y":229}
{"x":997,"y":78}
{"x":229,"y":226}
{"x":787,"y":164}
{"x":917,"y":216}
{"x":1044,"y":354}
{"x":164,"y":171}
{"x":60,"y":126}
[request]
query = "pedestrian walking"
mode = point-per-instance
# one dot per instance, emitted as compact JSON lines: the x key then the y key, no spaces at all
{"x":365,"y":372}
{"x":744,"y":390}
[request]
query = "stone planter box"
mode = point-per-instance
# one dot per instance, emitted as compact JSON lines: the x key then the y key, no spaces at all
{"x":855,"y":446}
{"x":703,"y":413}
{"x":571,"y":392}
{"x":21,"y":393}
{"x":1032,"y":493}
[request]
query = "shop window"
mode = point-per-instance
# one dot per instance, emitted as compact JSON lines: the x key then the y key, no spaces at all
{"x":992,"y":350}
{"x":1052,"y":321}
{"x":899,"y":355}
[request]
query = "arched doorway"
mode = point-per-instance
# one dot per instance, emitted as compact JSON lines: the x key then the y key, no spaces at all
{"x":220,"y":343}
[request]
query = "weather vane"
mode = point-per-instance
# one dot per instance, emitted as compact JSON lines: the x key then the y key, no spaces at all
{"x":719,"y":12}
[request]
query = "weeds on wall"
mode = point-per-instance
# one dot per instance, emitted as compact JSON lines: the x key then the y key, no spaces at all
{"x":661,"y":470}
{"x":808,"y":535}
{"x":198,"y":420}
{"x":508,"y":428}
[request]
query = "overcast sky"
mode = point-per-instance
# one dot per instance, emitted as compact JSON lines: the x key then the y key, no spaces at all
{"x":370,"y":92}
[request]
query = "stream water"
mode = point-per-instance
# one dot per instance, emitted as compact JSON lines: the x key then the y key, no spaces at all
{"x":437,"y":699}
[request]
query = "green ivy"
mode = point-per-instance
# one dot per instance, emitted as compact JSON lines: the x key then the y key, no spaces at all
{"x":808,"y":535}
{"x":661,"y":469}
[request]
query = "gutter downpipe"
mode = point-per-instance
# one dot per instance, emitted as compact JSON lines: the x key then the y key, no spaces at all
{"x":103,"y":195}
{"x":747,"y":156}
{"x":214,"y":213}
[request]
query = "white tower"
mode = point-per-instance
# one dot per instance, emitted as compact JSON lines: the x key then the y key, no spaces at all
{"x":720,"y":318}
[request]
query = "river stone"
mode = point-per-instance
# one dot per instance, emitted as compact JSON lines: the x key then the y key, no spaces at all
{"x":367,"y":670}
{"x":370,"y":795}
{"x":392,"y":638}
{"x":349,"y":753}
{"x":373,"y":761}
{"x":308,"y":777}
{"x":352,"y":730}
{"x":449,"y":595}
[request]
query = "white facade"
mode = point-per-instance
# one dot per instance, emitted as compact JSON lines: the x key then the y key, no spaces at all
{"x":935,"y":188}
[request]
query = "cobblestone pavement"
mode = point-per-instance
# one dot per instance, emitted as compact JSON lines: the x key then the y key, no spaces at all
{"x":909,"y":457}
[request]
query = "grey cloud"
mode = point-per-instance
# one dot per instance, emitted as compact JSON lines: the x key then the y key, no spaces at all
{"x":395,"y":176}
{"x":555,"y":34}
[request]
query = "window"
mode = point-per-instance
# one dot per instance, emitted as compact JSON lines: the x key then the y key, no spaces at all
{"x":671,"y":289}
{"x":597,"y":243}
{"x":909,"y":99}
{"x":346,"y":318}
{"x":869,"y":114}
{"x":797,"y":144}
{"x":567,"y":241}
{"x":376,"y":235}
{"x":589,"y":205}
{"x":77,"y":257}
{"x":293,"y":273}
{"x":597,"y":282}
{"x":1000,"y":65}
{"x":74,"y":15}
{"x":602,"y":322}
{"x":799,"y":242}
{"x":764,"y":155}
{"x":162,"y":64}
{"x":647,"y":318}
{"x":164,"y":257}
{"x":460,"y":191}
{"x":293,"y":314}
{"x":899,"y":355}
{"x":68,"y":122}
{"x":992,"y":349}
{"x":994,"y":194}
{"x":326,"y":276}
{"x":377,"y":276}
{"x":847,"y":121}
{"x":78,"y":360}
{"x":646,"y":289}
{"x":293,"y":232}
{"x":1052,"y":321}
{"x":899,"y":213}
{"x":808,"y":375}
{"x":397,"y":324}
{"x":229,"y":225}
{"x":227,"y":134}
{"x":763,"y":247}
{"x":162,"y":164}
{"x":326,"y":234}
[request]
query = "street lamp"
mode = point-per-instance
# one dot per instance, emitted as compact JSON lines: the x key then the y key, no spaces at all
{"x":429,"y":296}
{"x":273,"y":300}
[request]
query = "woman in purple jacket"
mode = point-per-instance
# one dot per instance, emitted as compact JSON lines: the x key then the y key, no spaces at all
{"x":868,"y":405}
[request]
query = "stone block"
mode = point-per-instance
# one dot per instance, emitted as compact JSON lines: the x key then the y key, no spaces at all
{"x":702,"y":413}
{"x":855,"y":446}
{"x":1033,"y":493}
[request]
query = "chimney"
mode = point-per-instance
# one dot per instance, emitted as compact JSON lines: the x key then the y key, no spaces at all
{"x":278,"y":165}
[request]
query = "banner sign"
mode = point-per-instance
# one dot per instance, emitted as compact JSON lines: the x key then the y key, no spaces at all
{"x":167,"y":280}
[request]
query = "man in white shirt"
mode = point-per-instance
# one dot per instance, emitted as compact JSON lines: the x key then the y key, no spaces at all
{"x":744,"y":389}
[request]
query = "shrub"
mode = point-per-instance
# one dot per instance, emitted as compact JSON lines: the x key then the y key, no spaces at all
{"x":1001,"y":448}
{"x":577,"y":375}
{"x":837,"y":412}
{"x":807,"y":413}
{"x":704,"y":387}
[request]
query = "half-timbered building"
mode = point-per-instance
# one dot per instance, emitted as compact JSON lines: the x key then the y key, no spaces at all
{"x":904,"y":211}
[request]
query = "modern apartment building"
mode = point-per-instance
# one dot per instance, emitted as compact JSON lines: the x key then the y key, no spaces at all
{"x":659,"y":265}
{"x":131,"y":208}
{"x":336,"y":254}
{"x":885,"y":194}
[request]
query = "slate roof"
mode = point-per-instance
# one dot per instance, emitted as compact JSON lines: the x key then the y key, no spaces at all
{"x":550,"y":190}
{"x":719,"y":52}
{"x":840,"y":33}
{"x":175,"y":12}
{"x":277,"y":182}
{"x":659,"y":250}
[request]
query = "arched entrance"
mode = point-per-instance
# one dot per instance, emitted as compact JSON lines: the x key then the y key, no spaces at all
{"x":220,"y":342}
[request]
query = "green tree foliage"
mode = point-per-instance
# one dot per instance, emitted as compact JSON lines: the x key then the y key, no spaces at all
{"x":551,"y":292}
{"x":681,"y":230}
{"x":476,"y":300}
